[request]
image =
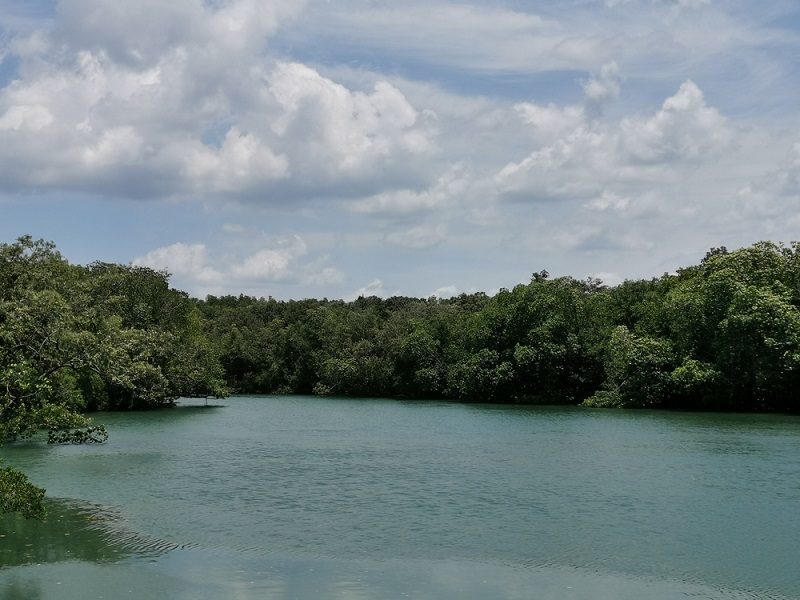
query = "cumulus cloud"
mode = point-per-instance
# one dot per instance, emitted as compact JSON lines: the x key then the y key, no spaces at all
{"x":541,"y":175}
{"x":241,"y":162}
{"x":552,"y":122}
{"x":271,"y":263}
{"x":446,"y":291}
{"x":140,"y":33}
{"x":31,"y":118}
{"x":373,"y":288}
{"x":341,"y":132}
{"x":591,"y":159}
{"x":280,"y":260}
{"x":187,"y":261}
{"x":685,"y":129}
{"x":450,"y":185}
{"x":500,"y":134}
{"x":602,"y":88}
{"x":146,"y":99}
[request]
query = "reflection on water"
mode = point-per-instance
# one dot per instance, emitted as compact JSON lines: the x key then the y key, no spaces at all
{"x":72,"y":531}
{"x":306,"y":498}
{"x":20,"y":590}
{"x":208,"y":575}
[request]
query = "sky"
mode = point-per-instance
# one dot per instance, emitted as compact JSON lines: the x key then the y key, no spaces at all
{"x":338,"y":148}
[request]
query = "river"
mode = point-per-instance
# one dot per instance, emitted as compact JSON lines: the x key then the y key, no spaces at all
{"x":325,"y":498}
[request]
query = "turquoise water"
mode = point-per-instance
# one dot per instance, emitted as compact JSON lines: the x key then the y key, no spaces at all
{"x":306,"y":497}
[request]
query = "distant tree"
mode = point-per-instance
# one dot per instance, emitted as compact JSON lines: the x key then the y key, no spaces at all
{"x":637,"y":370}
{"x":719,"y":335}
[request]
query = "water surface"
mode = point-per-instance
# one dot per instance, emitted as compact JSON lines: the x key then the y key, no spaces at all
{"x":305,"y":497}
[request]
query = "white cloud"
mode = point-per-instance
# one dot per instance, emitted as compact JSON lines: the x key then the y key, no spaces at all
{"x":570,"y":136}
{"x":187,"y":261}
{"x":140,"y":33}
{"x":609,"y":158}
{"x":373,"y":288}
{"x":271,"y":263}
{"x":550,"y":122}
{"x":610,"y":279}
{"x":419,"y":237}
{"x":684,"y":129}
{"x":609,"y":201}
{"x":32,"y":118}
{"x":772,"y":199}
{"x":602,"y":88}
{"x":244,"y":267}
{"x":243,"y":161}
{"x":583,"y":154}
{"x":148,"y":99}
{"x":446,"y":291}
{"x":445,"y":192}
{"x":340,"y":132}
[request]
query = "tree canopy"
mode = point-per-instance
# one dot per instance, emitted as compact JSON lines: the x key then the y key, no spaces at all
{"x":720,"y":335}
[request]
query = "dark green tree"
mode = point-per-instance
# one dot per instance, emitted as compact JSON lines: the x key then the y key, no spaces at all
{"x":81,"y":338}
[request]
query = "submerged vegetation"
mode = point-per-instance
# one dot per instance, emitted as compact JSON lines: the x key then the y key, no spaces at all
{"x":721,"y":335}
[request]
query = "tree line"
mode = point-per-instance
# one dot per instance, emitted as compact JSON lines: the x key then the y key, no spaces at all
{"x":721,"y":335}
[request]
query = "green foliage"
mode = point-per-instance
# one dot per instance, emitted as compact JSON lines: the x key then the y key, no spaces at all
{"x":638,"y":371}
{"x":481,"y":377}
{"x":734,"y":322}
{"x":696,"y":384}
{"x":86,"y":338}
{"x":18,"y":495}
{"x":605,"y":399}
{"x":149,"y":340}
{"x":721,"y":335}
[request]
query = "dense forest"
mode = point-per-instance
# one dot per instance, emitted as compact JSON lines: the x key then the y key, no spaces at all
{"x":720,"y":335}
